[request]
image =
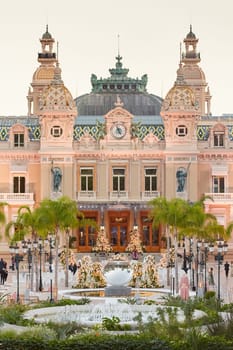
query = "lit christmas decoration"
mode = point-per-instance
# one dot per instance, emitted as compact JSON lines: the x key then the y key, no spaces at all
{"x":102,"y":243}
{"x":145,"y":274}
{"x":90,"y":274}
{"x":135,"y":246}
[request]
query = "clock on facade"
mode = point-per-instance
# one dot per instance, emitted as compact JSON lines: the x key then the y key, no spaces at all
{"x":118,"y":130}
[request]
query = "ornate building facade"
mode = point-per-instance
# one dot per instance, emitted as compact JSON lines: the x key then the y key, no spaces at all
{"x":118,"y":147}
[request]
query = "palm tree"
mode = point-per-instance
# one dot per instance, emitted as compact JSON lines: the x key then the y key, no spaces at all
{"x":183,"y":219}
{"x":159,"y":215}
{"x":57,"y":217}
{"x":172,"y":215}
{"x":27,"y":225}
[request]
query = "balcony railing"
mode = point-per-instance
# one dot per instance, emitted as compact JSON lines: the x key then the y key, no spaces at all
{"x":121,"y":195}
{"x":20,"y":198}
{"x":86,"y":195}
{"x":220,"y":197}
{"x":147,"y":195}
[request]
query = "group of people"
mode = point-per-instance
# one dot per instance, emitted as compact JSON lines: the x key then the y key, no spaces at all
{"x":3,"y":271}
{"x":184,"y":281}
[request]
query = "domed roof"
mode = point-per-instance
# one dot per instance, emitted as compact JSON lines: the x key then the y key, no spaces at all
{"x":132,"y":92}
{"x":135,"y":103}
{"x":47,"y":35}
{"x":190,"y":35}
{"x":44,"y":73}
{"x":180,"y":98}
{"x":57,"y":96}
{"x":194,"y":74}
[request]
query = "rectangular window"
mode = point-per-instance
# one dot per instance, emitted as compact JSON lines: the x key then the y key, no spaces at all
{"x":87,"y":234}
{"x":218,"y":184}
{"x":150,"y":235}
{"x":19,"y":184}
{"x":18,"y":140}
{"x":118,"y":178}
{"x":87,"y":179}
{"x":91,"y":234}
{"x":150,"y":179}
{"x":218,"y":139}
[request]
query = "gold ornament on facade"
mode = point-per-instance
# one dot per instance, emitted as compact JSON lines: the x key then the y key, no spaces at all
{"x":57,"y":98}
{"x":180,"y":97}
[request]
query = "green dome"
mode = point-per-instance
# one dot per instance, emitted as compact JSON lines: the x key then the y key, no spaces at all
{"x":131,"y":91}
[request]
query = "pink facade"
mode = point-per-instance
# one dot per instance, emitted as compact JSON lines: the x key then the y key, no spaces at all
{"x":113,"y":161}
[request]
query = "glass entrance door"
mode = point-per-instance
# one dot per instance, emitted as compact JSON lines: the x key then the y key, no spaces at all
{"x":118,"y":232}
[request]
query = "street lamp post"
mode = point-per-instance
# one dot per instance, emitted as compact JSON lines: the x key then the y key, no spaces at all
{"x":185,"y":259}
{"x":205,"y":262}
{"x":50,"y":241}
{"x":17,"y":258}
{"x":40,"y":271}
{"x":191,"y":262}
{"x":27,"y":249}
{"x":203,"y":248}
{"x":221,"y":250}
{"x":197,"y":267}
{"x":171,"y":266}
{"x":38,"y":245}
{"x":185,"y":263}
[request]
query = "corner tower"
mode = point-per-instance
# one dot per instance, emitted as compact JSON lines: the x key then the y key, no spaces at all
{"x":57,"y":116}
{"x":181,"y":110}
{"x":180,"y":113}
{"x":194,"y":75}
{"x":43,"y":74}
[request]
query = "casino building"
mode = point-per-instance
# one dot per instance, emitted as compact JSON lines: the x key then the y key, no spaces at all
{"x":117,"y":147}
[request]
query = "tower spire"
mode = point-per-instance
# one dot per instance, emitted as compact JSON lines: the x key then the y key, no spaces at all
{"x":180,"y":52}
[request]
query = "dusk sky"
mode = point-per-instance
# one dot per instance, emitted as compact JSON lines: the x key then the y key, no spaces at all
{"x":150,"y":33}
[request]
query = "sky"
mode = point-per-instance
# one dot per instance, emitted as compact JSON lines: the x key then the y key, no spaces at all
{"x":149,"y":31}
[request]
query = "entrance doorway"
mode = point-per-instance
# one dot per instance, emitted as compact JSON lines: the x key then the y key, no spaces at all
{"x":118,"y":230}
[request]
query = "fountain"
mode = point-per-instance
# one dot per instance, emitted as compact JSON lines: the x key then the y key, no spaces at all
{"x":110,"y":300}
{"x":117,"y":274}
{"x":116,"y":277}
{"x":89,"y":315}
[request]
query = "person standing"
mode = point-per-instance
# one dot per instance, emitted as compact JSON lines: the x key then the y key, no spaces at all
{"x":3,"y":271}
{"x":135,"y":253}
{"x":211,"y":277}
{"x":184,"y":286}
{"x":226,"y":268}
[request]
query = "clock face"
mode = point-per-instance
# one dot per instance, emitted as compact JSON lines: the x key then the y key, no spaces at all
{"x":118,"y":131}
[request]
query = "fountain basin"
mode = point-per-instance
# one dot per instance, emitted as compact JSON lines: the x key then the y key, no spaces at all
{"x":91,"y":314}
